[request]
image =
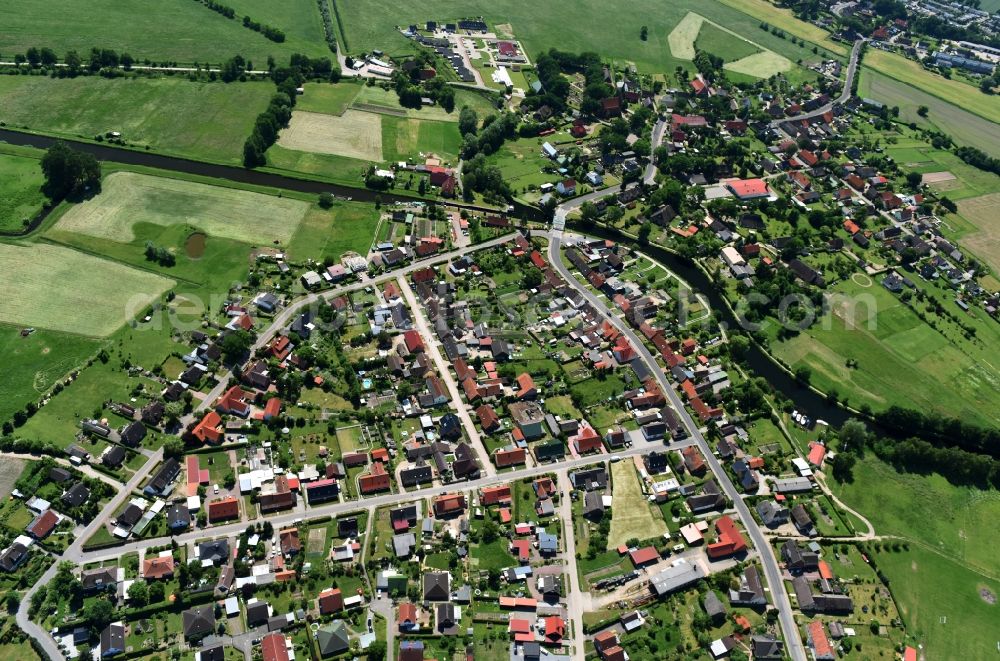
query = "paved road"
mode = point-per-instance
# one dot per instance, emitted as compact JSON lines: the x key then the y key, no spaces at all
{"x":852,"y":68}
{"x":74,"y":554}
{"x":564,"y":209}
{"x":649,"y":176}
{"x":574,"y":604}
{"x":791,"y":632}
{"x":431,"y":347}
{"x":285,"y":316}
{"x":337,"y":509}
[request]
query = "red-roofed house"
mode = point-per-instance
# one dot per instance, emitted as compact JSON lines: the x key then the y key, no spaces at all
{"x":494,"y":495}
{"x":273,"y":647}
{"x":748,"y":189}
{"x":822,"y":651}
{"x":525,"y":387}
{"x":521,"y":549}
{"x":817,"y":453}
{"x":413,"y":341}
{"x":43,"y":524}
{"x":272,"y":408}
{"x":449,"y":504}
{"x":555,"y":629}
{"x":330,"y":601}
{"x":824,"y":570}
{"x":730,"y":539}
{"x":196,"y":475}
{"x":157,"y":568}
{"x":644,"y":556}
{"x":377,"y":479}
{"x":234,"y":402}
{"x":851,"y":227}
{"x":209,"y":430}
{"x":513,"y":456}
{"x":487,"y":418}
{"x":910,"y":654}
{"x":586,"y":439}
{"x":407,"y":617}
{"x":281,"y":346}
{"x":225,"y":508}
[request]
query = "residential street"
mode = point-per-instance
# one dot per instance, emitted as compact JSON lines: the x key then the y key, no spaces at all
{"x":575,"y":602}
{"x":770,"y":563}
{"x":432,"y":348}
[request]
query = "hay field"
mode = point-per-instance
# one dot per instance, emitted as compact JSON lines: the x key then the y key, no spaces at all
{"x":354,"y":134}
{"x":761,"y":65}
{"x":128,"y":198}
{"x":985,"y":240}
{"x":631,"y":515}
{"x":327,"y":98}
{"x":747,"y":57}
{"x":62,"y":289}
{"x":683,"y":36}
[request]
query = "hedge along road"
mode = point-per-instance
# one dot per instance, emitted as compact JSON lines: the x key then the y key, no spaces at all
{"x":240,"y":175}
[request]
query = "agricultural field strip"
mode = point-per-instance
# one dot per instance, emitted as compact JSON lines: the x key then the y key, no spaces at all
{"x":355,"y":134}
{"x":95,"y":298}
{"x":128,"y":198}
{"x":761,"y":65}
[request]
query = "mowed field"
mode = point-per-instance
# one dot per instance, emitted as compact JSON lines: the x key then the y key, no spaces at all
{"x":180,"y":31}
{"x":355,"y":134}
{"x":128,"y":198}
{"x":952,"y":91}
{"x":740,"y":54}
{"x":65,"y":290}
{"x":900,"y":359}
{"x":964,"y":127}
{"x":327,"y":98}
{"x":573,"y":25}
{"x":983,"y":237}
{"x":20,"y":189}
{"x":208,"y":121}
{"x":404,"y":138}
{"x":33,"y":364}
{"x":945,"y":606}
{"x":631,"y":515}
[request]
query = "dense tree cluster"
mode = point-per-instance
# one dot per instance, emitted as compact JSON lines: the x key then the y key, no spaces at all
{"x":941,"y":430}
{"x":159,"y":254}
{"x":496,"y":129}
{"x":550,"y":67}
{"x":480,"y":177}
{"x":979,"y":159}
{"x":70,"y":174}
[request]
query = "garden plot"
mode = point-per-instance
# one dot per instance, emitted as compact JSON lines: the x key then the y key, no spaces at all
{"x":128,"y":198}
{"x":355,"y":134}
{"x":66,"y":290}
{"x":631,"y":515}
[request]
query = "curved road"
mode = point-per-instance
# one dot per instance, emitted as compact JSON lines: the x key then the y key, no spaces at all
{"x":852,"y":69}
{"x":793,"y":642}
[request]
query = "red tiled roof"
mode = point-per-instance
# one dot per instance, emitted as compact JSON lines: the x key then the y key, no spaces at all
{"x":730,"y":539}
{"x":158,"y":567}
{"x":820,"y":643}
{"x":273,"y":647}
{"x":643,"y":556}
{"x":43,"y":524}
{"x":817,"y":452}
{"x":748,"y":187}
{"x":209,"y":429}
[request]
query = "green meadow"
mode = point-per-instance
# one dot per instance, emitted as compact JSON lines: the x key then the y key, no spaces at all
{"x":208,"y":121}
{"x":900,"y":359}
{"x":179,"y":31}
{"x":21,"y":181}
{"x":577,"y":25}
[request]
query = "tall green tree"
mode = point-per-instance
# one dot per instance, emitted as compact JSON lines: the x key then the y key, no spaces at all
{"x":69,"y":173}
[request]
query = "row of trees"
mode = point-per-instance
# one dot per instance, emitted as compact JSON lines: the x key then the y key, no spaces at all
{"x":272,"y":33}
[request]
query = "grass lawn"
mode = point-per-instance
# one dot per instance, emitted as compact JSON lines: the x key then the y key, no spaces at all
{"x":917,"y":156}
{"x":21,"y":181}
{"x":942,"y":605}
{"x":33,"y":364}
{"x":127,"y":198}
{"x":376,"y":99}
{"x":900,"y":359}
{"x":593,"y":391}
{"x":407,"y":138}
{"x":174,"y":30}
{"x":957,"y":521}
{"x":493,"y":555}
{"x":953,"y":91}
{"x":562,"y":405}
{"x":976,"y":228}
{"x":347,"y":227}
{"x":104,"y":294}
{"x":207,"y":121}
{"x":719,"y":42}
{"x":325,"y":166}
{"x":964,"y":127}
{"x":521,"y":163}
{"x":328,"y":98}
{"x":631,"y":515}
